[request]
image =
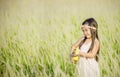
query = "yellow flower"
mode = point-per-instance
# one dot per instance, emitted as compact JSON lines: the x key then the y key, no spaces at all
{"x":75,"y":58}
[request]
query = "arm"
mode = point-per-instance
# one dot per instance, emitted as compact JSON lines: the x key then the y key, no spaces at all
{"x":92,"y":53}
{"x":75,"y":45}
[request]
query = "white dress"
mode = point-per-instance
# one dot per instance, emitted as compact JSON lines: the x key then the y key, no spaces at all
{"x":87,"y":67}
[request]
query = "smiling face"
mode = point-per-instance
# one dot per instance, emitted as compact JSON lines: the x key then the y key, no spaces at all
{"x":86,"y":31}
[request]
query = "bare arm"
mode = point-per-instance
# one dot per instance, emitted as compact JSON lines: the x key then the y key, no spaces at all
{"x":75,"y":45}
{"x":92,"y":53}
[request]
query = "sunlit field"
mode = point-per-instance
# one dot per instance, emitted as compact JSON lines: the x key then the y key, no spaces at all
{"x":36,"y":36}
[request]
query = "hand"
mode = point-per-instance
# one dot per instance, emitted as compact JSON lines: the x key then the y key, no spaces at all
{"x":74,"y":58}
{"x":73,"y":50}
{"x":73,"y":55}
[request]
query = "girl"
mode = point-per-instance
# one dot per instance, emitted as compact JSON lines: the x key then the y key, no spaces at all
{"x":88,"y":49}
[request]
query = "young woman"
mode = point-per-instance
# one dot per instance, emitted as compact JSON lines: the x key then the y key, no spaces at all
{"x":88,"y":49}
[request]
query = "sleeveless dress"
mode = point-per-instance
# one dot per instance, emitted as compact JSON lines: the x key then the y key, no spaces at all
{"x":87,"y":67}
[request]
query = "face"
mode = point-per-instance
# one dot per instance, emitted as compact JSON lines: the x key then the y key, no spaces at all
{"x":86,"y":31}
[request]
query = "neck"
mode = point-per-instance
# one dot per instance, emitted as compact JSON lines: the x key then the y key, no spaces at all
{"x":89,"y":39}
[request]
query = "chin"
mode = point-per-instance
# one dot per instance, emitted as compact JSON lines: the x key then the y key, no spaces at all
{"x":88,"y":37}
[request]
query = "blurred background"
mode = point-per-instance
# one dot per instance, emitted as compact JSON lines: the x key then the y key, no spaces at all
{"x":36,"y":36}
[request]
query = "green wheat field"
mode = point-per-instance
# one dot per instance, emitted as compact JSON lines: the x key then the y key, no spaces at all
{"x":36,"y":36}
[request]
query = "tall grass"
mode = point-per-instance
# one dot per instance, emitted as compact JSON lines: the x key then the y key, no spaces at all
{"x":36,"y":36}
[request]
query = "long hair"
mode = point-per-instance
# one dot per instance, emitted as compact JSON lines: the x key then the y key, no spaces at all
{"x":94,"y":34}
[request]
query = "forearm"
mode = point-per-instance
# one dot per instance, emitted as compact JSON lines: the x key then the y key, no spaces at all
{"x":87,"y":55}
{"x":73,"y":47}
{"x":76,"y":44}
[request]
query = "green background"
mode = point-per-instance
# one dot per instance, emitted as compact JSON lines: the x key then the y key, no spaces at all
{"x":36,"y":36}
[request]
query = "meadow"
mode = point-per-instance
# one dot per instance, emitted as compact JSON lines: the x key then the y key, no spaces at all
{"x":36,"y":36}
